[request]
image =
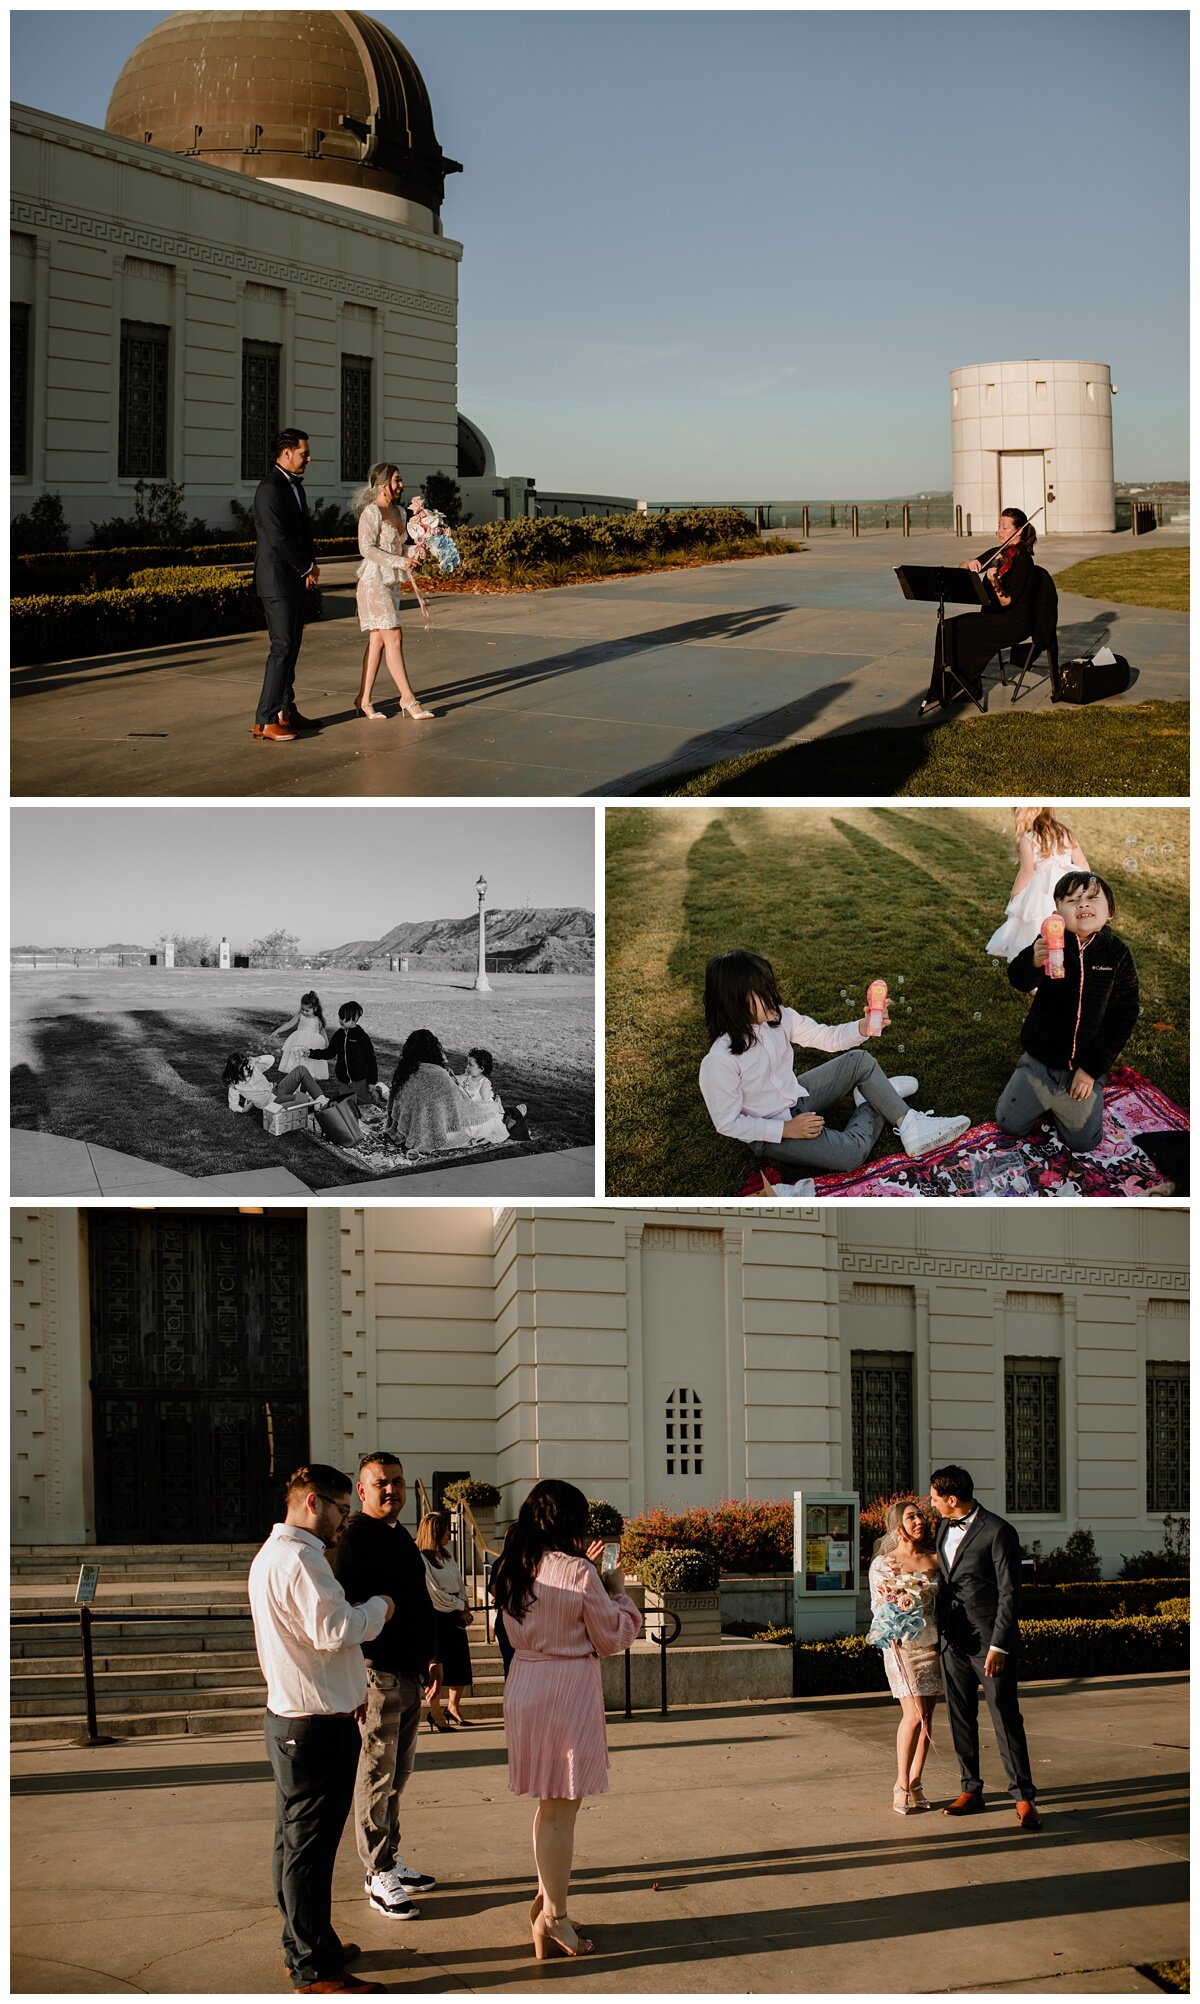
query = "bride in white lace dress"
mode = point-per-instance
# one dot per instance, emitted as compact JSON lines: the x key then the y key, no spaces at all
{"x":382,"y":533}
{"x":904,"y":1580}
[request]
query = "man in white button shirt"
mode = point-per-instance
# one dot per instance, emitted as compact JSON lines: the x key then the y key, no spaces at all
{"x":308,"y":1638}
{"x":979,"y":1639}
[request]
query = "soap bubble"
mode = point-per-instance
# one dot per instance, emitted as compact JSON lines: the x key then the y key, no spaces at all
{"x":1131,"y":841}
{"x":1168,"y":849}
{"x":977,"y":1018}
{"x":900,"y":1048}
{"x":901,"y":980}
{"x":1130,"y":866}
{"x":1149,"y":852}
{"x":845,"y":994}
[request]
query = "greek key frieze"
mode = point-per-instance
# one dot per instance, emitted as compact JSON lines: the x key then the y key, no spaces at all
{"x":1035,"y":1272}
{"x":282,"y":271}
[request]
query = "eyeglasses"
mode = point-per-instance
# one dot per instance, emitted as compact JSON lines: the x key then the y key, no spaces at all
{"x":343,"y":1508}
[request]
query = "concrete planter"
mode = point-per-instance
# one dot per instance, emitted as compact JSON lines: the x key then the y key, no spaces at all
{"x":485,"y":1516}
{"x":763,"y":1598}
{"x":699,"y":1614}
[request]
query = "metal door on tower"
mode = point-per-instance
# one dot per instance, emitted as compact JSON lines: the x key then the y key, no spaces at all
{"x":1023,"y":485}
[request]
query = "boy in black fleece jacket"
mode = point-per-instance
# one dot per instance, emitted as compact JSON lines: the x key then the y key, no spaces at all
{"x":1077,"y":1026}
{"x":352,"y":1053}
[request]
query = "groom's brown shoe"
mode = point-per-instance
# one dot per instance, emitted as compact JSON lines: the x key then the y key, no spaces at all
{"x":278,"y":731}
{"x":1028,"y":1817}
{"x":967,"y":1804}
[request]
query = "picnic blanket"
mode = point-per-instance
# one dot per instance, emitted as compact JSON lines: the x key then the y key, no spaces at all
{"x":985,"y":1162}
{"x":379,"y":1153}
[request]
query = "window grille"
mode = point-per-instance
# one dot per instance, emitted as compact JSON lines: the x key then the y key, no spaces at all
{"x":142,"y":426}
{"x":881,"y":1422}
{"x":356,"y":416}
{"x":1031,"y":1433}
{"x":1168,"y":1416}
{"x":685,"y":1433}
{"x":260,"y":407}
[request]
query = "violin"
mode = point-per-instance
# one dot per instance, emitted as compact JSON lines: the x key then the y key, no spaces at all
{"x":992,"y":571}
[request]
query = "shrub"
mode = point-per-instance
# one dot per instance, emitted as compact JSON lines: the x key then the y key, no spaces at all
{"x":1078,"y":1559}
{"x":743,"y":1537}
{"x":1175,"y":1610}
{"x":1137,"y":1643}
{"x":604,"y":1519}
{"x":192,"y":606}
{"x":157,"y":517}
{"x":501,"y":549}
{"x":41,"y":527}
{"x":166,"y":575}
{"x":93,"y":570}
{"x":685,"y":1570}
{"x":1095,"y":1598}
{"x":1160,"y":1565}
{"x":485,"y":1495}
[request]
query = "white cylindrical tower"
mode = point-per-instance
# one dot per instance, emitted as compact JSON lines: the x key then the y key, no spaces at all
{"x":1033,"y":435}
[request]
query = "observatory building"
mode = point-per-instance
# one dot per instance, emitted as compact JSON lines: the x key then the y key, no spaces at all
{"x":1034,"y":435}
{"x":253,"y":240}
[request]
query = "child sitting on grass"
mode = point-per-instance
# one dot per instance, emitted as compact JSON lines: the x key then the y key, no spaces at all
{"x":259,"y":1082}
{"x":352,"y":1054}
{"x":752,"y":1093}
{"x":476,"y":1080}
{"x":1078,"y":1024}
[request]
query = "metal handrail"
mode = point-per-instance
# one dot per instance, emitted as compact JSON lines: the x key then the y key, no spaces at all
{"x":86,"y":1616}
{"x":663,"y":1642}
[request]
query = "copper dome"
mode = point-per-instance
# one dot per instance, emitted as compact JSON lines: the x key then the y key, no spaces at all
{"x":277,"y":95}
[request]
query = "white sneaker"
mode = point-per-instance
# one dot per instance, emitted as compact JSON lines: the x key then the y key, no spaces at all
{"x":389,"y":1899}
{"x":921,"y":1133}
{"x":408,"y":1878}
{"x":904,"y":1085}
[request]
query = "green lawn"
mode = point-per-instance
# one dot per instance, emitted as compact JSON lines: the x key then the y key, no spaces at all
{"x":1136,"y":749}
{"x":834,"y":898}
{"x":1140,"y":577}
{"x":131,"y":1058}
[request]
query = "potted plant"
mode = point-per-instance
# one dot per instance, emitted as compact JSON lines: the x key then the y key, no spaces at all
{"x":604,"y":1520}
{"x":484,"y":1499}
{"x":685,"y":1582}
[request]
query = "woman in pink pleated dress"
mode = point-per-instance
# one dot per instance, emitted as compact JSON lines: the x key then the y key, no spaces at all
{"x":561,"y":1616}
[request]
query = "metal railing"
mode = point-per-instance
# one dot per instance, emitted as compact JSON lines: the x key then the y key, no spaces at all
{"x":85,"y":1616}
{"x":662,"y":1642}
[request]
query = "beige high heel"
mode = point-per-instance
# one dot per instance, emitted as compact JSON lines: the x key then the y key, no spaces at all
{"x":546,"y":1941}
{"x":371,"y":716}
{"x":900,"y":1800}
{"x":416,"y":709}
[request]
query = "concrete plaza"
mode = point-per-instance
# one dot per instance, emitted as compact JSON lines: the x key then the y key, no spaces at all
{"x":747,"y":1848}
{"x":588,"y":689}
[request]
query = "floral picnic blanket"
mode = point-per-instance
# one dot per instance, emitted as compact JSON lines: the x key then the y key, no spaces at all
{"x":984,"y":1162}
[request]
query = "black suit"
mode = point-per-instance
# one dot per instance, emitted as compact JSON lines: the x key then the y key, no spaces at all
{"x":283,"y":558}
{"x":977,"y":1611}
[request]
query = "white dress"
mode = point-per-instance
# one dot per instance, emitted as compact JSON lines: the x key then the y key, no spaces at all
{"x":913,"y":1668}
{"x":383,"y":566}
{"x":306,"y":1037}
{"x":1026,"y":911}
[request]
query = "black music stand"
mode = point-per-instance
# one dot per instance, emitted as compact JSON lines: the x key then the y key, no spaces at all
{"x":946,"y":582}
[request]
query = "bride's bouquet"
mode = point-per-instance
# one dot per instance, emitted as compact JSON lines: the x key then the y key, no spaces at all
{"x":896,"y":1620}
{"x":428,"y":537}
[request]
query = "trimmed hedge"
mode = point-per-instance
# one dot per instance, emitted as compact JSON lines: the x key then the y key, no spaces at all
{"x":480,"y":1495}
{"x":1098,"y":1598}
{"x":491,"y":549}
{"x":680,"y":1571}
{"x":59,"y":573}
{"x":1134,"y":1643}
{"x":604,"y":1519}
{"x":108,"y":622}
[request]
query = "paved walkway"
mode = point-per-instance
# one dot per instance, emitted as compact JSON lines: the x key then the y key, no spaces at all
{"x":584,"y":690}
{"x":53,"y":1165}
{"x":742,"y":1849}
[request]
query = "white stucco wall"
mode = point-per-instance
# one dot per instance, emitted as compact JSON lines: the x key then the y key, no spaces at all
{"x":1053,"y":415}
{"x":542,"y":1341}
{"x":105,"y":230}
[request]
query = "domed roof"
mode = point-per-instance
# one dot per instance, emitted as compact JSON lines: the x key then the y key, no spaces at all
{"x":279,"y":95}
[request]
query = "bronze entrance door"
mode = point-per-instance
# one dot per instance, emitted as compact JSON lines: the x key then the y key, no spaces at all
{"x":199,"y":1357}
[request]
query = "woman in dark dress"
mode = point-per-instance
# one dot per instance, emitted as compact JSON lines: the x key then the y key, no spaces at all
{"x":451,"y":1615}
{"x":971,"y":643}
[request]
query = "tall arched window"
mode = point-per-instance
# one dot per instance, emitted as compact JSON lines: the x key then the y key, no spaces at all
{"x":685,"y":1433}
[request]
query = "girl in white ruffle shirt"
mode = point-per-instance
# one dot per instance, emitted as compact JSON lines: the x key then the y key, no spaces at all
{"x":752,"y":1093}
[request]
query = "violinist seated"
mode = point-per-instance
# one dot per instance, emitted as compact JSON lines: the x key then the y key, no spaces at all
{"x":1008,"y":572}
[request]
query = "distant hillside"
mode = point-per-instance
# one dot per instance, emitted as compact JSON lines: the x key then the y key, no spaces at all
{"x":558,"y":940}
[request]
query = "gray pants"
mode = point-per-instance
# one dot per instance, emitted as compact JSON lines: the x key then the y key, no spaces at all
{"x":1035,"y":1093}
{"x":847,"y":1147}
{"x":389,"y":1749}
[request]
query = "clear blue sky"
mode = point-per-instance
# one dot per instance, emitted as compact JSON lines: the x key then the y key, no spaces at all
{"x":716,"y":254}
{"x":91,"y":876}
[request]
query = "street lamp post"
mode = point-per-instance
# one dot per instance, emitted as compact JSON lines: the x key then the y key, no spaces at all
{"x":482,"y":985}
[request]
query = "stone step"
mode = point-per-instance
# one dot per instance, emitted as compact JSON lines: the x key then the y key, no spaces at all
{"x":161,"y":1675}
{"x":187,"y":1594}
{"x":186,"y":1721}
{"x":129,"y":1664}
{"x":219,"y":1699}
{"x":118,"y":1638}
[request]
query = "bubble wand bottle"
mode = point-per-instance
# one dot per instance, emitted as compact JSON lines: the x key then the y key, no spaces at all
{"x":1054,"y":932}
{"x":877,"y":996}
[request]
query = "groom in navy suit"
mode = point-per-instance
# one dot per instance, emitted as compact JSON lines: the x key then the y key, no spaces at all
{"x":284,"y":569}
{"x":979,"y":1639}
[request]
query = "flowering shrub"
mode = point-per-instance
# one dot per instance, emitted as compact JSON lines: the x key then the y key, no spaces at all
{"x":743,"y":1537}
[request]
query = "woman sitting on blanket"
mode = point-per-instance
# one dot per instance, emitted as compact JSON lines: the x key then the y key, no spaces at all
{"x":428,"y":1111}
{"x":262,"y":1082}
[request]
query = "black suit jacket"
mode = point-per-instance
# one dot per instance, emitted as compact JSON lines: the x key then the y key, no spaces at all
{"x":285,"y":544}
{"x":978,"y":1600}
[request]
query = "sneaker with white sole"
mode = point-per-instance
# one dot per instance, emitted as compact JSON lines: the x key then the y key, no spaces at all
{"x":389,"y":1899}
{"x":904,"y":1085}
{"x":408,"y":1878}
{"x":921,"y":1133}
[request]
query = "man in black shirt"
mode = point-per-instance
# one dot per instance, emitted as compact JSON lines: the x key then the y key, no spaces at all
{"x":401,"y":1674}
